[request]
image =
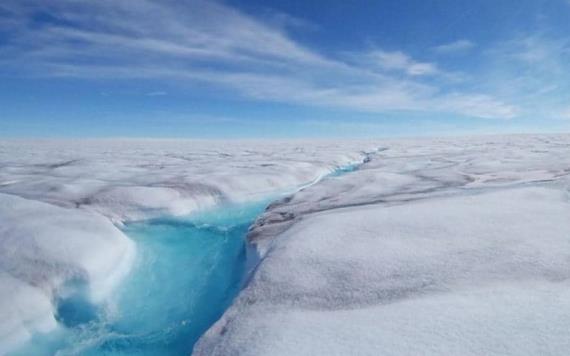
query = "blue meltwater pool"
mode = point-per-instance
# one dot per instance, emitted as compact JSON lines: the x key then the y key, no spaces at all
{"x":186,"y":274}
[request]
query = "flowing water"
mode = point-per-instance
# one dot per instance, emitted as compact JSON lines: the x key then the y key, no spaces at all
{"x":187,"y":272}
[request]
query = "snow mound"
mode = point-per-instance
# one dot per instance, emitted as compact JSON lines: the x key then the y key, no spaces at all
{"x":43,"y":248}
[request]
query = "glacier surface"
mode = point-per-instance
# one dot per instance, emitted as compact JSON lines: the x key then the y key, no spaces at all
{"x":63,"y":204}
{"x":433,"y":247}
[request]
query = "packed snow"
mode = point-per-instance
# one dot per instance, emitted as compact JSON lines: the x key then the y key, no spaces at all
{"x":433,"y":247}
{"x":62,"y":203}
{"x":455,"y":246}
{"x":42,"y":249}
{"x":128,"y":180}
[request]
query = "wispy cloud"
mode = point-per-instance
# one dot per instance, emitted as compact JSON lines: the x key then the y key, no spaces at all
{"x":400,"y":62}
{"x":532,"y":70}
{"x":454,"y":47}
{"x":205,"y":41}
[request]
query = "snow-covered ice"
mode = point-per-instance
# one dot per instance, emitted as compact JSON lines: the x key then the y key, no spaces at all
{"x":451,"y":246}
{"x":61,"y":203}
{"x":434,"y":247}
{"x":138,"y":179}
{"x":43,"y":247}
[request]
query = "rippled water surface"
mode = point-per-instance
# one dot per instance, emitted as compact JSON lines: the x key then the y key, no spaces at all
{"x":186,"y":274}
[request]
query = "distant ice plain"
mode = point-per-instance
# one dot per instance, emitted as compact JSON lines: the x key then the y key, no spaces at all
{"x":453,"y":246}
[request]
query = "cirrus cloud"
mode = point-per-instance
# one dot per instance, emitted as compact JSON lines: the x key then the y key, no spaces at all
{"x":209,"y":42}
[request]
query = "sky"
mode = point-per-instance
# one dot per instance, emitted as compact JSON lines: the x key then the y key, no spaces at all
{"x":283,"y":68}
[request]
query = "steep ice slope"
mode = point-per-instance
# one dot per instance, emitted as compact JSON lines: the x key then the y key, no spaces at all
{"x":59,"y":200}
{"x":454,"y":247}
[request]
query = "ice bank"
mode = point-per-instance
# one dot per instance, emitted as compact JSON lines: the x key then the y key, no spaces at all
{"x":434,"y":247}
{"x":470,"y":275}
{"x":42,"y":249}
{"x":60,"y":203}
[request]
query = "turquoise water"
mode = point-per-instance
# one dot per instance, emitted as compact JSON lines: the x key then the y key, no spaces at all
{"x":345,"y":169}
{"x":186,"y":274}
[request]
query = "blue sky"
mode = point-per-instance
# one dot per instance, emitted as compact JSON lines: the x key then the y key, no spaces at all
{"x":283,"y":68}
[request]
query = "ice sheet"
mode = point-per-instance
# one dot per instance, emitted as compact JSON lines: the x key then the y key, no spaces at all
{"x":61,"y":202}
{"x":434,"y":247}
{"x":140,"y":179}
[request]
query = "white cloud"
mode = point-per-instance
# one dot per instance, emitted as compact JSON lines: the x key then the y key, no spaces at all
{"x":482,"y":106}
{"x":401,"y":62}
{"x":532,"y":70}
{"x":454,"y":47}
{"x":212,"y":43}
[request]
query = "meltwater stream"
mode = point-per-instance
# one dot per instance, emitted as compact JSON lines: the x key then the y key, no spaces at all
{"x":187,"y":272}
